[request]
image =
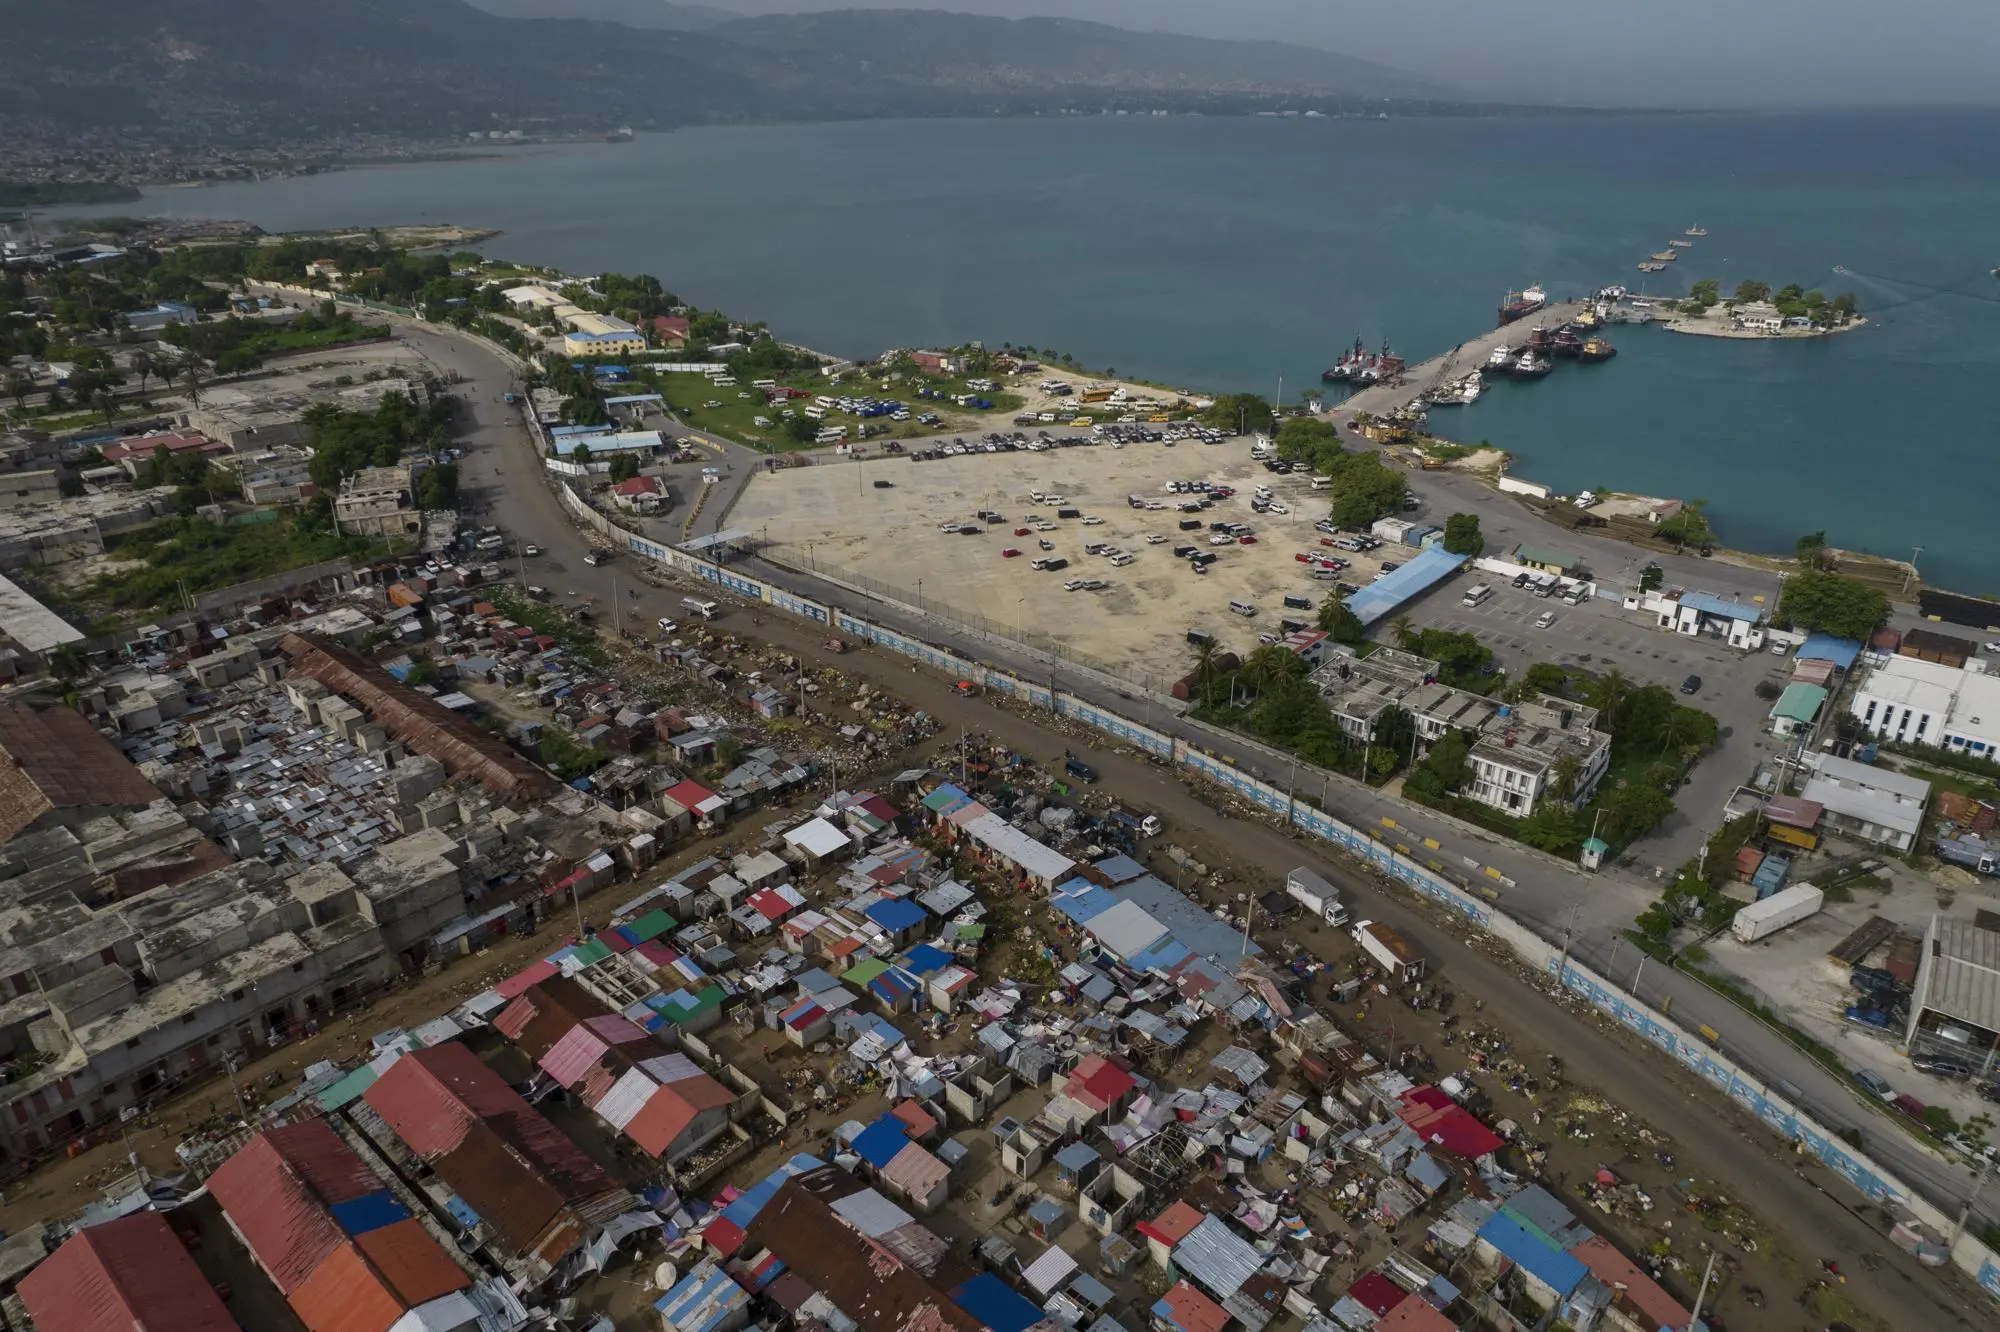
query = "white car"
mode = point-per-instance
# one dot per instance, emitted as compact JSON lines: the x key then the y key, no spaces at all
{"x":1073,"y":585}
{"x":1093,"y":521}
{"x":531,"y":550}
{"x":1545,"y":619}
{"x":1155,"y":539}
{"x":667,"y":626}
{"x":1222,"y":539}
{"x":1276,"y":507}
{"x":1991,"y":647}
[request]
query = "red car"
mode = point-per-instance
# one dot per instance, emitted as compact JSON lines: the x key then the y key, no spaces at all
{"x":1022,"y":531}
{"x":1009,"y":553}
{"x":1326,"y":541}
{"x":1303,"y":558}
{"x":1246,"y":541}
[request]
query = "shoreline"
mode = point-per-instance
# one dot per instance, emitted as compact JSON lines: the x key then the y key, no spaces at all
{"x":1702,"y":326}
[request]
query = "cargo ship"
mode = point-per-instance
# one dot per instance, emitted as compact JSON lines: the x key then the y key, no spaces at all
{"x":1521,"y":304}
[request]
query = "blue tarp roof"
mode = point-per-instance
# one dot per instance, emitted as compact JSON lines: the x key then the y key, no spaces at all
{"x":744,"y":1210}
{"x":1076,"y":1156}
{"x":896,"y":914}
{"x":1429,"y":568}
{"x":1552,"y":1267}
{"x":371,"y":1211}
{"x":926,"y":958}
{"x":1710,"y":604}
{"x":879,"y":1143}
{"x":996,"y":1304}
{"x":1825,"y":647}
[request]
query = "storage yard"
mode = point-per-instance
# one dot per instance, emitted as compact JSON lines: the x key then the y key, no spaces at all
{"x":841,"y":521}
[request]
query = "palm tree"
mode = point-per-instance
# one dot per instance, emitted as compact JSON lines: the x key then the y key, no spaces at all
{"x":1405,"y":630}
{"x":1563,"y":777}
{"x":1608,"y":694}
{"x":1204,"y":666}
{"x":143,"y":366}
{"x":190,"y":372}
{"x":19,"y":386}
{"x":67,"y":665}
{"x":106,"y":404}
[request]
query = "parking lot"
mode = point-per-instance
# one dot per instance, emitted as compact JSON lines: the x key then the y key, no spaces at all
{"x":835,"y":519}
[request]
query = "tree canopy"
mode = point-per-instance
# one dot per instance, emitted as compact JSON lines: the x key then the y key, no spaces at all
{"x":1813,"y":600}
{"x":1245,"y":410}
{"x":1462,"y":535}
{"x":1364,"y":490}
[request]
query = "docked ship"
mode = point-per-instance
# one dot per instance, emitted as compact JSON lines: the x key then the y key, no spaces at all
{"x":1342,"y":370}
{"x":1501,"y":360}
{"x":1567,"y":346}
{"x":1680,"y":244}
{"x":1461,"y":392}
{"x":1665,"y":256}
{"x":1596,"y":350}
{"x":1532,"y":365}
{"x":1697,"y":231}
{"x":1521,"y":304}
{"x":1645,"y":267}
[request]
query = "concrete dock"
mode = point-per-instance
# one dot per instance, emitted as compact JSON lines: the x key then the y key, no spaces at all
{"x":1467,"y":356}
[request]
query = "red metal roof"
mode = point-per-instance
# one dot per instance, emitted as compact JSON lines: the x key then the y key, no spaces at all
{"x":1376,"y":1293}
{"x":688,"y":794}
{"x":1172,"y":1226}
{"x":1192,"y":1311}
{"x":512,"y":1167}
{"x":1447,"y":1125}
{"x":129,"y":1273}
{"x":528,"y":975}
{"x":273,"y":1205}
{"x":1634,"y":1288}
{"x":346,"y":1295}
{"x":415,"y":1266}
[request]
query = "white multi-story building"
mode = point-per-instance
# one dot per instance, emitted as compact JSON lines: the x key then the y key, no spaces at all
{"x":1925,"y":703}
{"x":1519,"y":753}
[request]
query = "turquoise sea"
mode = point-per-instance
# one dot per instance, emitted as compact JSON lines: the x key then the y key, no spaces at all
{"x":1225,"y":254}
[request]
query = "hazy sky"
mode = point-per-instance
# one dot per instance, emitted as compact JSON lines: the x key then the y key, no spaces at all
{"x":1602,"y":52}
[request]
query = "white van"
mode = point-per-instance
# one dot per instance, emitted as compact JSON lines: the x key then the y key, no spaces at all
{"x":1476,"y":595}
{"x":1243,"y":608}
{"x":1322,"y":483}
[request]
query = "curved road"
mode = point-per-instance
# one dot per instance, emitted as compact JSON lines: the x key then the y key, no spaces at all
{"x":501,"y":477}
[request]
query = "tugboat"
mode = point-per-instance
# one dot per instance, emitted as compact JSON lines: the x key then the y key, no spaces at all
{"x":1596,"y":350}
{"x":1350,"y":360}
{"x":1532,"y":365}
{"x":1521,"y":304}
{"x":1379,"y":368}
{"x":1539,"y":341}
{"x":1567,"y":345}
{"x":1501,"y":360}
{"x":1666,"y":256}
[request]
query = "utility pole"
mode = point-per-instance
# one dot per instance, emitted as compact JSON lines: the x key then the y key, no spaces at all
{"x":961,"y":756}
{"x":1562,"y":969}
{"x":1965,"y":1213}
{"x":1249,"y":904}
{"x":229,"y":1067}
{"x":1702,"y":1295}
{"x":1291,"y":801}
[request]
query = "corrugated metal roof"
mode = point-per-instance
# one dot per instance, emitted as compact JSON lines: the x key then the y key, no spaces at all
{"x":871,"y":1213}
{"x":287,"y":1229}
{"x":665,"y":1116}
{"x":671,"y":1068}
{"x":346,"y":1295}
{"x":627,"y":1097}
{"x":1216,"y":1256}
{"x":512,"y":1167}
{"x":704,"y":1300}
{"x":916,"y":1171}
{"x":1048,"y":1272}
{"x":1126,"y":929}
{"x":416,"y":1266}
{"x":1552,"y":1267}
{"x":573,"y":1056}
{"x":1964,"y":980}
{"x":128,"y":1273}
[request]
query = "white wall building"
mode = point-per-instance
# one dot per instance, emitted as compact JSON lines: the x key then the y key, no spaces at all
{"x":1926,"y":703}
{"x":1737,"y":623}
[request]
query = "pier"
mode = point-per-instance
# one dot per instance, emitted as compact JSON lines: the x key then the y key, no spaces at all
{"x":1381,"y":399}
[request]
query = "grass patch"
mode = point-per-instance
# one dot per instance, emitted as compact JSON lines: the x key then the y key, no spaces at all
{"x":544,"y":619}
{"x":201,"y":556}
{"x":735,"y":416}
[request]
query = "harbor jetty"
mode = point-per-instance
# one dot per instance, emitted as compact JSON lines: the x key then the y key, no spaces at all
{"x":1472,"y":354}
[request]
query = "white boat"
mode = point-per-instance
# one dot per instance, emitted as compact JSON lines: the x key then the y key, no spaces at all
{"x":1697,"y":231}
{"x":1502,"y":358}
{"x":1470,"y":390}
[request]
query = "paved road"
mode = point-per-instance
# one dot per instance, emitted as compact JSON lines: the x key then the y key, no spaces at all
{"x":500,"y":476}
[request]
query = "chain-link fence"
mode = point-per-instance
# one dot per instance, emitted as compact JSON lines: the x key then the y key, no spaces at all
{"x":1053,"y":651}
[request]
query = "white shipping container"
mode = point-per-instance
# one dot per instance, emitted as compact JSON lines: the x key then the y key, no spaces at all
{"x":1392,"y":529}
{"x":1761,"y":919}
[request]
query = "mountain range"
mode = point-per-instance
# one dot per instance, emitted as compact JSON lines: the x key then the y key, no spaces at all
{"x":217,"y":73}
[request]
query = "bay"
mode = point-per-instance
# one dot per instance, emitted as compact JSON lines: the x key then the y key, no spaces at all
{"x":1226,"y":253}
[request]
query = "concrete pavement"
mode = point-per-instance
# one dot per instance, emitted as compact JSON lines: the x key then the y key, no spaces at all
{"x":502,"y":476}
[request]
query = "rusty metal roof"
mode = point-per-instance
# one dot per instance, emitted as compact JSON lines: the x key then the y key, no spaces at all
{"x":52,"y":758}
{"x":128,"y":1273}
{"x":863,"y":1278}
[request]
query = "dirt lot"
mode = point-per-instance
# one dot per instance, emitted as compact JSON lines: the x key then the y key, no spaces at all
{"x":834,"y":519}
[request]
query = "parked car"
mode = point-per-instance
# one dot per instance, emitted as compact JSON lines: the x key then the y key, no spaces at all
{"x":1941,"y":1066}
{"x":1078,"y":769}
{"x":1691,"y":685}
{"x":1545,"y":619}
{"x":1009,"y":553}
{"x":1910,"y":1107}
{"x":1876,"y":1084}
{"x":531,"y":550}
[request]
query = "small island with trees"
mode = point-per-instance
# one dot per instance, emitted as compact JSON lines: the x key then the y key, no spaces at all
{"x":1754,"y":310}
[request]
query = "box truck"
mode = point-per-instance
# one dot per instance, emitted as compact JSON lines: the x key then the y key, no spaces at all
{"x":1390,"y":951}
{"x":1762,"y":919}
{"x":1316,"y":895}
